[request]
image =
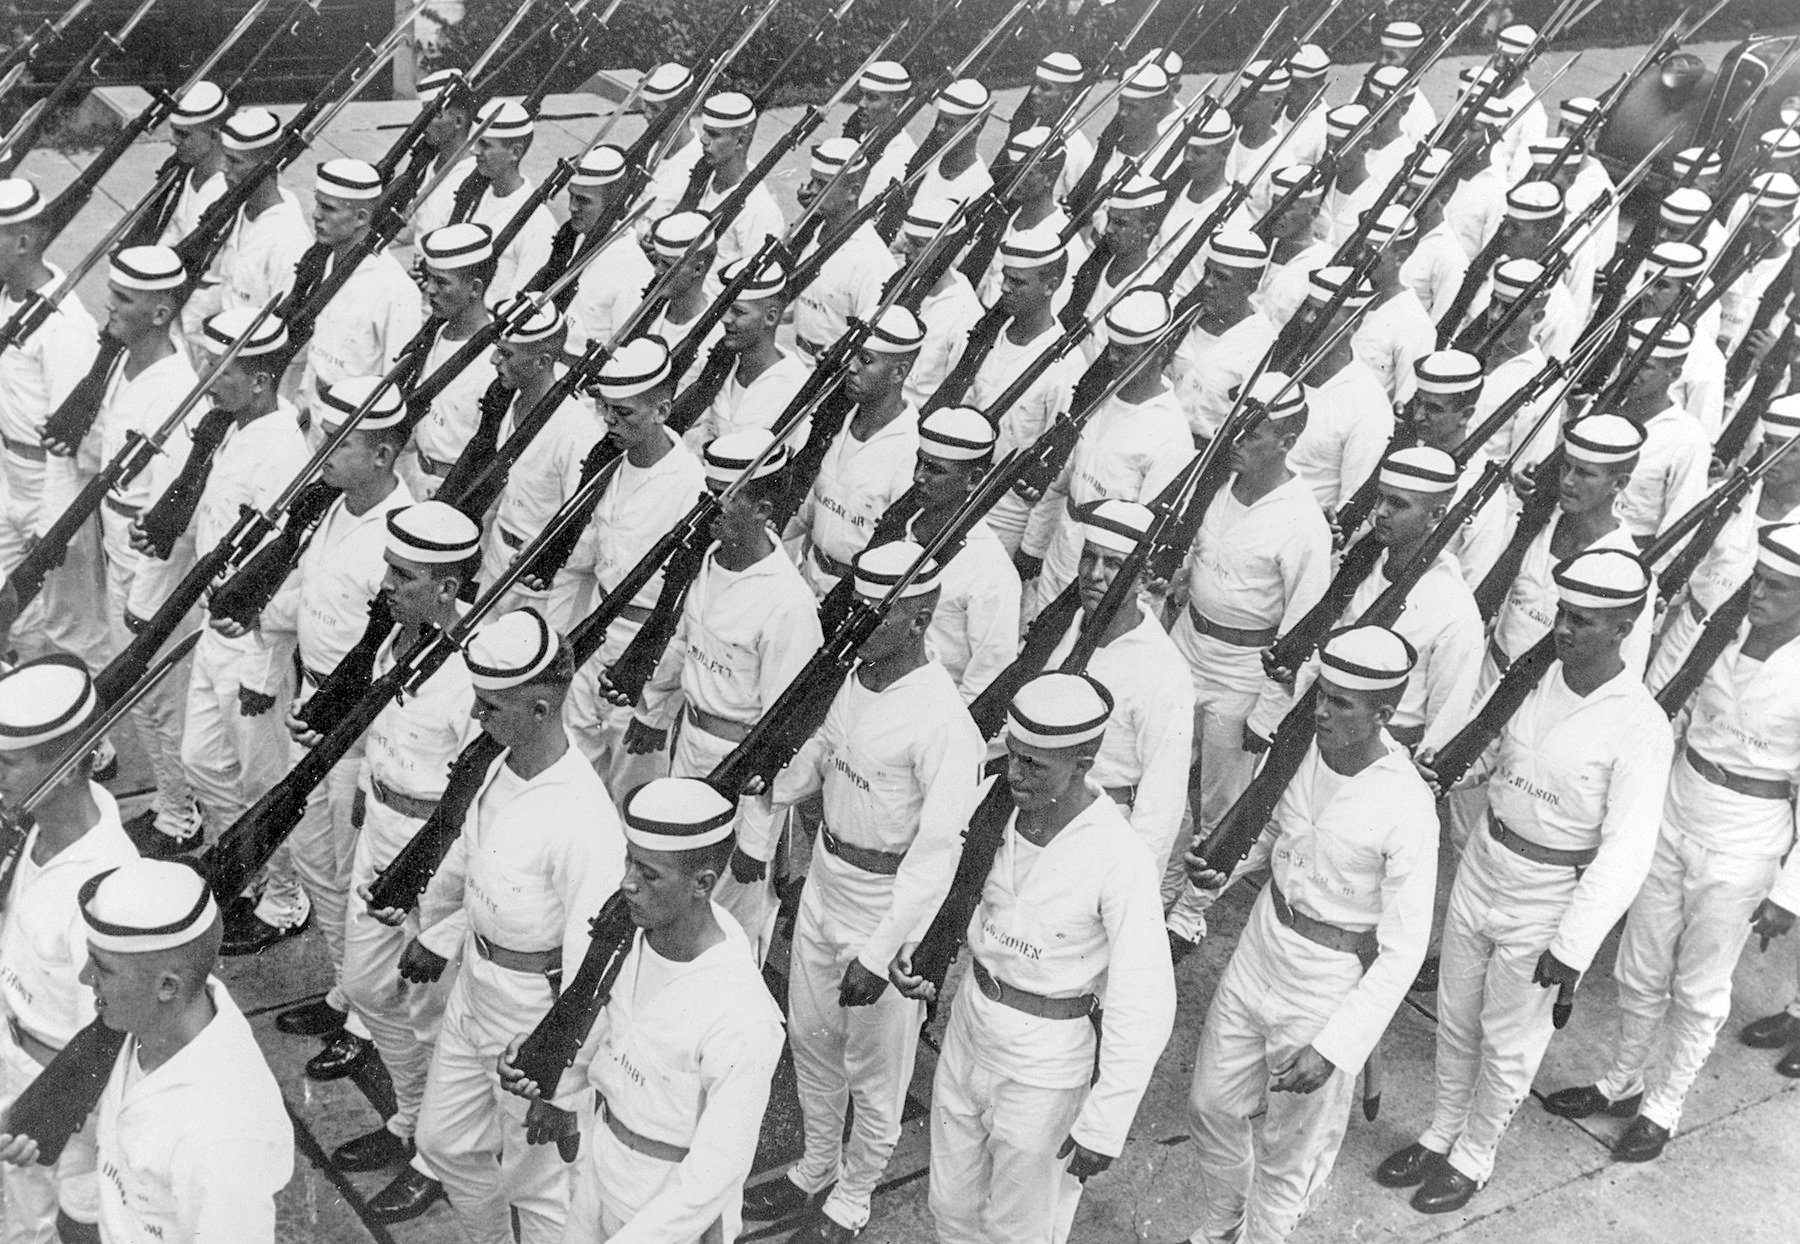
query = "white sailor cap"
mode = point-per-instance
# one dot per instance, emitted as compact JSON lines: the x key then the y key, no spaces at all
{"x":45,"y":699}
{"x":769,"y":281}
{"x":1549,"y":149}
{"x":1057,"y":710}
{"x":962,"y":98}
{"x":599,"y":166}
{"x":676,"y":814}
{"x":957,"y":434}
{"x":1672,"y":344}
{"x":1604,"y":440}
{"x":671,"y":236}
{"x":347,"y":179}
{"x":432,"y":533}
{"x":511,"y":650}
{"x":146,"y":906}
{"x":1778,"y":549}
{"x":1309,"y":61}
{"x":1402,"y":35}
{"x":1419,"y":468}
{"x":1384,"y":80}
{"x":727,"y":457}
{"x":1709,"y":160}
{"x":1602,"y":579}
{"x":457,"y":246}
{"x":1534,"y":200}
{"x":928,"y":216}
{"x":895,"y":331}
{"x":1032,"y":248}
{"x":19,"y":201}
{"x":1430,"y":168}
{"x":1577,"y":108}
{"x":1448,"y":371}
{"x":1366,"y":658}
{"x":1236,"y":246}
{"x":832,"y":154}
{"x":1138,"y":317}
{"x":666,"y":81}
{"x":1059,"y":67}
{"x":1139,"y":192}
{"x":728,"y":110}
{"x":250,"y":129}
{"x":1027,"y":141}
{"x":343,"y":398}
{"x":1515,"y":276}
{"x":1516,"y":40}
{"x":885,"y":77}
{"x":1277,"y":394}
{"x":1323,"y":283}
{"x":146,"y":267}
{"x":1685,"y":206}
{"x":636,"y":367}
{"x":1217,"y":128}
{"x":1774,"y":190}
{"x":1291,"y":175}
{"x":1680,"y":261}
{"x":1781,"y":144}
{"x":436,"y":83}
{"x":1145,"y":82}
{"x":877,"y":569}
{"x":1495,"y":110}
{"x":539,"y":324}
{"x":218,"y":332}
{"x":1340,"y":121}
{"x":506,"y":119}
{"x":1274,"y":80}
{"x":203,"y":104}
{"x":1781,"y":418}
{"x":1114,"y":525}
{"x":1396,"y":222}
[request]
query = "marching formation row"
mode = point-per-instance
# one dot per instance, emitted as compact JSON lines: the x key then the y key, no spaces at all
{"x":1008,"y":552}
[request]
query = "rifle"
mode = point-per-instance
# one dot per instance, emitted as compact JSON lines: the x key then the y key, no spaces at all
{"x":693,"y":400}
{"x":20,"y":140}
{"x":287,"y":24}
{"x":1706,"y":521}
{"x":1717,"y":632}
{"x":55,"y":1105}
{"x":22,"y":53}
{"x":27,"y":578}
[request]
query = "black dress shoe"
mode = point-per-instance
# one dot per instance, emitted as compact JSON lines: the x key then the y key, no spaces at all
{"x":409,"y":1195}
{"x":1427,"y":979}
{"x":1445,"y":1191}
{"x":777,"y":1198}
{"x":1180,"y":947}
{"x":373,"y":1151}
{"x":1789,"y":1063}
{"x":317,"y":1018}
{"x":818,"y":1229}
{"x":342,"y":1055}
{"x":1586,"y":1100}
{"x":1771,"y":1032}
{"x":247,"y":934}
{"x":1407,"y":1168}
{"x":1641,"y":1141}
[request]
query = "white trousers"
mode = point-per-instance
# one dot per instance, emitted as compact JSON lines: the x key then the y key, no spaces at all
{"x":321,"y":847}
{"x":69,"y":614}
{"x":1493,"y":1019}
{"x":597,"y":727}
{"x":402,"y":1016}
{"x":1683,"y":936}
{"x":1276,"y":995}
{"x":862,"y":1054}
{"x":472,"y":1131}
{"x":995,"y":1174}
{"x":612,"y":1183}
{"x":158,"y":715}
{"x":34,"y":1193}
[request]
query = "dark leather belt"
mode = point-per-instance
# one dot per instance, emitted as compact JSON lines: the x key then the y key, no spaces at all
{"x":1503,"y":834}
{"x":20,"y":449}
{"x":510,"y":539}
{"x":1124,"y":796}
{"x":532,"y":962}
{"x":715,"y":725}
{"x":1361,"y":944}
{"x":312,"y":677}
{"x":120,"y":507}
{"x":1409,"y":736}
{"x":637,"y":1142}
{"x":1236,"y":636}
{"x":1749,"y":787}
{"x":997,"y":990}
{"x":1502,"y":662}
{"x":431,"y":466}
{"x":882,"y":863}
{"x":811,"y":349}
{"x":36,"y":1048}
{"x":829,"y":564}
{"x":415,"y":806}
